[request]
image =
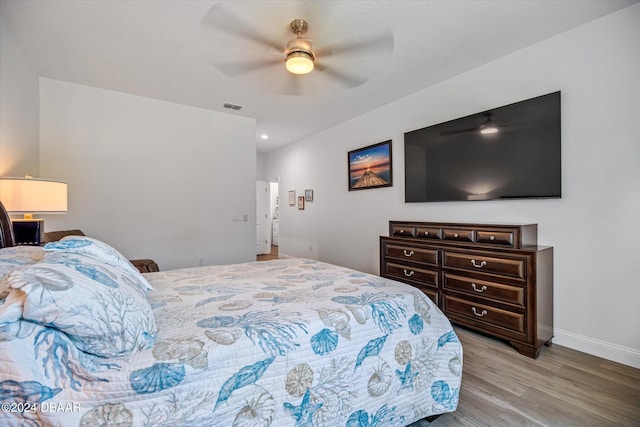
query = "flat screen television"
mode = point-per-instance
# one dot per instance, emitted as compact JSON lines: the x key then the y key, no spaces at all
{"x":509,"y":152}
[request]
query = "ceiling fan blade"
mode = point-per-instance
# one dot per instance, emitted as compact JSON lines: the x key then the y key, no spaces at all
{"x":378,"y":43}
{"x":292,"y":87}
{"x":342,"y":77}
{"x":221,"y":18}
{"x":234,"y":69}
{"x":471,"y":130}
{"x":459,"y":131}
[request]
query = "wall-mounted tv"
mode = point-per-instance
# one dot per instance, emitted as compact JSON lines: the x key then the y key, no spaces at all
{"x":509,"y":152}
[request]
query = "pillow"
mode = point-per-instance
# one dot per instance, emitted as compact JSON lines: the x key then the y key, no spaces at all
{"x":101,"y":307}
{"x":96,"y":248}
{"x":11,"y":304}
{"x":17,"y":257}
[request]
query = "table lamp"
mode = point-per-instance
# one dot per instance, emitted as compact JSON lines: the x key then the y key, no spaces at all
{"x":30,"y":196}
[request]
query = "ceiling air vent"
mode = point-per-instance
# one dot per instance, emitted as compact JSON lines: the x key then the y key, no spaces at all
{"x":232,"y":106}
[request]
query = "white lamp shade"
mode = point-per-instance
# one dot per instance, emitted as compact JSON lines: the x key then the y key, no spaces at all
{"x":32,"y":195}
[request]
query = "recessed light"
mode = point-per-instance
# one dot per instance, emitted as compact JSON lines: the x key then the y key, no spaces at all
{"x":264,"y":136}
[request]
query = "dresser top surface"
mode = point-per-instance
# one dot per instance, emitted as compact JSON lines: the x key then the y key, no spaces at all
{"x":463,"y":224}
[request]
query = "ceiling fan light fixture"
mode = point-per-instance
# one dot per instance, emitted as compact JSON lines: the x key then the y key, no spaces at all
{"x":488,"y":130}
{"x":299,"y":62}
{"x":299,"y":54}
{"x":488,"y":127}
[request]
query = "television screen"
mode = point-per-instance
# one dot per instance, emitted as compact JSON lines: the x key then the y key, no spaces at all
{"x":510,"y":152}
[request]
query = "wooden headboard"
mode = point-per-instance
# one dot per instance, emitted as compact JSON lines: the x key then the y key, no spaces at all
{"x":6,"y":229}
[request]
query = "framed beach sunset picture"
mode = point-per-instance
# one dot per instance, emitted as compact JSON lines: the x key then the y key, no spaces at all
{"x":370,"y":167}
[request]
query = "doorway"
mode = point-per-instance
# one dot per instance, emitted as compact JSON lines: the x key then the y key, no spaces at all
{"x":275,"y":214}
{"x":267,"y":219}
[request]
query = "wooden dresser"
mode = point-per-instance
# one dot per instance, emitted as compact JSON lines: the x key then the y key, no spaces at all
{"x":488,"y":277}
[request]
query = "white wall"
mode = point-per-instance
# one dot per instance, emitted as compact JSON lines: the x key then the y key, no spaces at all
{"x":154,"y":179}
{"x":260,"y":173}
{"x":19,"y":118}
{"x":594,"y":228}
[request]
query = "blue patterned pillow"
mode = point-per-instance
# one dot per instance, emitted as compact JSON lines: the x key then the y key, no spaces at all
{"x":18,"y":257}
{"x":96,"y":248}
{"x":101,"y":307}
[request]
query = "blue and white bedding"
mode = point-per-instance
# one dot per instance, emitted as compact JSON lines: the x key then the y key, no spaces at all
{"x":290,"y":342}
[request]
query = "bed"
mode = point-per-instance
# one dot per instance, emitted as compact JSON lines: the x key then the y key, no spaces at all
{"x":86,"y":340}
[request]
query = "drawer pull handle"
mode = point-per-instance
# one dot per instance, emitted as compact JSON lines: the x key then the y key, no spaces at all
{"x":408,"y":254}
{"x":481,"y":314}
{"x":482,"y":264}
{"x":401,"y":231}
{"x":410,"y":273}
{"x":482,"y":289}
{"x":492,"y":237}
{"x":455,"y":235}
{"x":426,"y":233}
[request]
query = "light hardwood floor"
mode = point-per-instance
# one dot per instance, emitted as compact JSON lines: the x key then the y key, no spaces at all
{"x":267,"y":257}
{"x":563,"y":387}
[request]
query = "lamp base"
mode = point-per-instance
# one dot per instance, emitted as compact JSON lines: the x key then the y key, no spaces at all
{"x":28,"y":232}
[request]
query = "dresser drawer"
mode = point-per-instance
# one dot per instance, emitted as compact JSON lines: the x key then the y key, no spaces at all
{"x":431,"y":293}
{"x":403,"y":230}
{"x":460,"y":235}
{"x":429,"y":233}
{"x":482,"y":313}
{"x":485,"y":289}
{"x":406,"y":273}
{"x":411,"y":253}
{"x":512,"y":267}
{"x":503,"y":238}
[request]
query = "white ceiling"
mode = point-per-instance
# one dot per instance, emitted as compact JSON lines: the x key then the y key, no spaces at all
{"x":175,"y":50}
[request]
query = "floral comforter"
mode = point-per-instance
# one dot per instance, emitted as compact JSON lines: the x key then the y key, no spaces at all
{"x":291,"y":342}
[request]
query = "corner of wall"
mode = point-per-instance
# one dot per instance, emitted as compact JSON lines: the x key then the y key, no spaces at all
{"x":606,"y":350}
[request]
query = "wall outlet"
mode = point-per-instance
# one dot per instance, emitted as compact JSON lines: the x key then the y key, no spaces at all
{"x":240,"y":218}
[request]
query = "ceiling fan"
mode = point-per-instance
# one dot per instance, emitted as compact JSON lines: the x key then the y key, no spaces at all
{"x":487,"y":127}
{"x":295,"y":66}
{"x":299,"y":56}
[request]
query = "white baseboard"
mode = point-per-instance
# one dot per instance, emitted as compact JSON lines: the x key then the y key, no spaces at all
{"x":606,"y":350}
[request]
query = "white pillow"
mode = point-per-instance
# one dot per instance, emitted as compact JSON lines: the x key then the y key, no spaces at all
{"x":96,"y":248}
{"x":101,"y":307}
{"x":17,"y":257}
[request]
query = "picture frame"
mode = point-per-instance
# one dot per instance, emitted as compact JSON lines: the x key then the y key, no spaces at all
{"x":370,"y":167}
{"x":292,"y":197}
{"x":308,"y":195}
{"x":300,"y":203}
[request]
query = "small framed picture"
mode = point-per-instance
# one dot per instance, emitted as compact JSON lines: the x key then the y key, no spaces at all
{"x":292,"y":197}
{"x":301,"y":203}
{"x":308,"y":195}
{"x":370,"y":167}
